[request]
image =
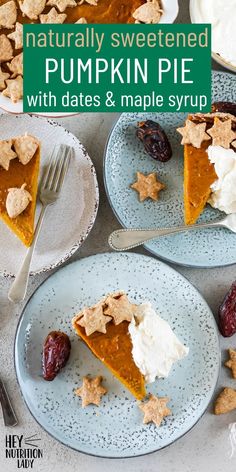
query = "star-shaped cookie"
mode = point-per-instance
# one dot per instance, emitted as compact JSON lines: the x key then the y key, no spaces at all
{"x":93,"y":320}
{"x":32,"y":9}
{"x":193,"y":133}
{"x":14,"y":89}
{"x":6,"y":51}
{"x":222,"y":133}
{"x":90,"y":2}
{"x":91,"y":391}
{"x":155,"y":410}
{"x":81,"y":21}
{"x":226,"y":401}
{"x":8,"y":15}
{"x":3,"y":77}
{"x":119,"y":308}
{"x":17,"y":201}
{"x":17,"y":36}
{"x":16,"y":65}
{"x":147,"y":186}
{"x":53,"y":17}
{"x":149,"y":13}
{"x":62,"y":5}
{"x":231,"y":363}
{"x":25,"y":147}
{"x":6,"y":153}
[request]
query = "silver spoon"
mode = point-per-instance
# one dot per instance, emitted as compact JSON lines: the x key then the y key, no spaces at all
{"x":9,"y":415}
{"x":123,"y":239}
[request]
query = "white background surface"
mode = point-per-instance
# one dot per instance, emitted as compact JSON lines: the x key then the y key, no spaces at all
{"x":206,"y":448}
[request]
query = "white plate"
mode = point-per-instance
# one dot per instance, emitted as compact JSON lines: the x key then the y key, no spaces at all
{"x":215,"y":56}
{"x":67,"y":222}
{"x":17,"y":109}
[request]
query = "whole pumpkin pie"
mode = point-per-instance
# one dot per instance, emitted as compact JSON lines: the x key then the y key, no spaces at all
{"x":199,"y":172}
{"x":15,"y":13}
{"x":104,"y":329}
{"x":19,"y":170}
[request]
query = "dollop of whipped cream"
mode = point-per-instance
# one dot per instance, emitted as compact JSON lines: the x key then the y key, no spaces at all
{"x":155,"y":345}
{"x":17,"y":201}
{"x":221,"y":14}
{"x":223,"y":194}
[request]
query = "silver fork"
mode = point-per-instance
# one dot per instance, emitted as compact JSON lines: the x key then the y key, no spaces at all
{"x":49,"y":191}
{"x":123,"y":239}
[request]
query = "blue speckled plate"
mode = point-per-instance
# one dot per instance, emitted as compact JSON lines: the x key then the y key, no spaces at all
{"x":115,"y":429}
{"x":125,"y":156}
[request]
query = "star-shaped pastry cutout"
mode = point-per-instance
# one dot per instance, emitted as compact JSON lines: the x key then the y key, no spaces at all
{"x":119,"y":308}
{"x":155,"y":410}
{"x":147,"y":186}
{"x":90,"y":2}
{"x":222,"y":133}
{"x":17,"y":201}
{"x":32,"y":9}
{"x":53,"y":17}
{"x":14,"y":89}
{"x":6,"y":154}
{"x":149,"y":13}
{"x":17,"y":36}
{"x":226,"y":401}
{"x":8,"y":15}
{"x":193,"y":133}
{"x":16,"y":65}
{"x":3,"y":77}
{"x":81,"y":21}
{"x":231,"y":363}
{"x":62,"y":5}
{"x":91,"y":391}
{"x":93,"y":320}
{"x":6,"y":50}
{"x":25,"y":147}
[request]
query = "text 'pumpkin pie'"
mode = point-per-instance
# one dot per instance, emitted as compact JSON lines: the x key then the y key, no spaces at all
{"x":113,"y":347}
{"x":17,"y":176}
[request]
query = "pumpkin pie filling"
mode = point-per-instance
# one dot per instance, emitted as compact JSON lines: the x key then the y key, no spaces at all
{"x":16,"y":176}
{"x":104,"y":327}
{"x":114,"y":349}
{"x":199,"y":175}
{"x":106,"y":11}
{"x":199,"y":172}
{"x":131,"y":340}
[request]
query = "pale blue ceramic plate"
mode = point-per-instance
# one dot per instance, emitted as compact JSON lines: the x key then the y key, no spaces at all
{"x":125,"y":156}
{"x":115,"y":429}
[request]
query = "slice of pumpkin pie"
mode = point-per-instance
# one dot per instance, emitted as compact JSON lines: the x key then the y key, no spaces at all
{"x":104,"y":328}
{"x":199,"y":133}
{"x":19,"y":170}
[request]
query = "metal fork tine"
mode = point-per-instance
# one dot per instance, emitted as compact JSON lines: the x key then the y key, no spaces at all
{"x":63,"y":171}
{"x":59,"y":168}
{"x":49,"y":169}
{"x":60,"y":152}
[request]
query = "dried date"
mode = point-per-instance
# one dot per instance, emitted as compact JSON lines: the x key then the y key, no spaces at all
{"x":56,"y":352}
{"x":224,"y":107}
{"x":227,"y":313}
{"x":155,"y":140}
